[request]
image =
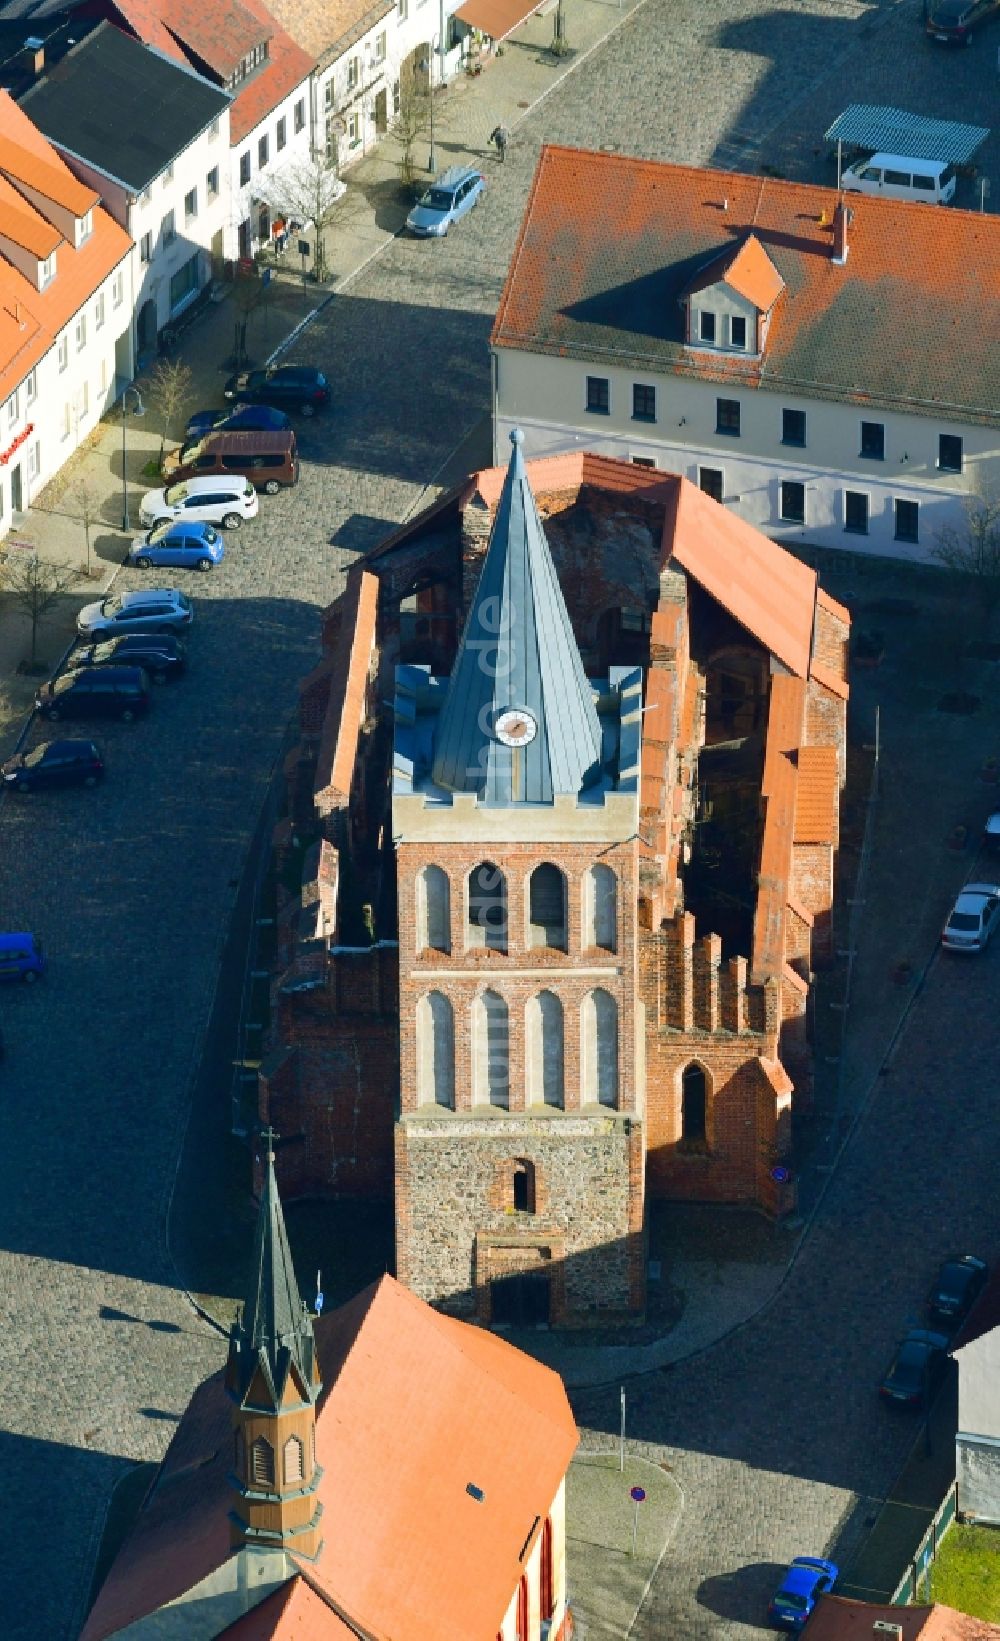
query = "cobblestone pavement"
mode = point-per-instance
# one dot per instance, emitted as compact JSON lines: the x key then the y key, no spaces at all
{"x":132,"y":886}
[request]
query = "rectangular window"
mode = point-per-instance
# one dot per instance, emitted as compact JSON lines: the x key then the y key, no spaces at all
{"x":34,"y":458}
{"x":706,"y":327}
{"x":353,"y":129}
{"x":873,"y":441}
{"x":80,"y":333}
{"x":244,"y":168}
{"x":299,"y":116}
{"x":949,"y":453}
{"x":396,"y":98}
{"x":212,"y":183}
{"x":907,"y":520}
{"x":793,"y":502}
{"x":67,"y":420}
{"x":46,"y":270}
{"x":99,"y":312}
{"x":167,"y":229}
{"x":403,"y":11}
{"x":30,"y":388}
{"x":146,"y":248}
{"x":191,"y":205}
{"x":353,"y":72}
{"x":62,"y":352}
{"x":380,"y":47}
{"x":856,"y":512}
{"x":214,"y":129}
{"x":737,"y":332}
{"x":328,"y":94}
{"x":118,"y":290}
{"x":146,"y":195}
{"x":262,"y":152}
{"x":598,"y":395}
{"x":83,"y":400}
{"x":12,"y":409}
{"x":727,"y":417}
{"x":280,"y":134}
{"x":103,"y":383}
{"x":710,"y":479}
{"x":643,"y":402}
{"x":793,"y":427}
{"x":168,"y":175}
{"x":642,"y":461}
{"x":184,"y":281}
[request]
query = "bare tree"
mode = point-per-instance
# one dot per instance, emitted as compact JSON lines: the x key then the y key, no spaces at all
{"x":86,"y":506}
{"x":305,"y":191}
{"x":248,"y":294}
{"x":170,"y":388}
{"x":35,"y":584}
{"x":412,"y":120}
{"x":974,"y":548}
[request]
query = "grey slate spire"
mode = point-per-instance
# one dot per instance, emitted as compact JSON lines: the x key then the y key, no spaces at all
{"x":518,"y":724}
{"x":274,"y":1331}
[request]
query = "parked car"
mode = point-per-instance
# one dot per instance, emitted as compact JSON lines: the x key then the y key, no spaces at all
{"x":806,"y":1580}
{"x":954,"y":22}
{"x":956,"y":1288}
{"x":916,"y":1369}
{"x":973,"y":918}
{"x":54,"y":763}
{"x":269,"y":460}
{"x":95,"y":692}
{"x":991,"y":832}
{"x":162,"y":656}
{"x":21,"y":957}
{"x":211,"y":501}
{"x":160,"y":609}
{"x":897,"y":176}
{"x":191,"y":546}
{"x":287,"y":387}
{"x":449,"y":196}
{"x":240,"y":419}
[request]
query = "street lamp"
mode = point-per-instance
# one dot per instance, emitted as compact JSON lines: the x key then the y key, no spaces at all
{"x":139,"y":410}
{"x":428,"y":64}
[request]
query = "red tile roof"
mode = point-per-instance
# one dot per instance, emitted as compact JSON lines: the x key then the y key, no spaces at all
{"x":750,"y":272}
{"x":320,"y":25}
{"x":784,"y":734}
{"x":24,"y":227}
{"x":54,"y":182}
{"x":221,"y":34}
{"x":296,"y":1612}
{"x":608,"y":243}
{"x":415,"y":1407}
{"x":837,"y":1619}
{"x":816,"y":792}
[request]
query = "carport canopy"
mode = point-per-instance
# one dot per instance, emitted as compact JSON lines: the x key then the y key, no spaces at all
{"x":497,"y":18}
{"x":895,"y":131}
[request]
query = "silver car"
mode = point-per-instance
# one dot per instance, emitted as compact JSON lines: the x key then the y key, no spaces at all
{"x":973,"y":918}
{"x":154,"y":609}
{"x":449,"y":196}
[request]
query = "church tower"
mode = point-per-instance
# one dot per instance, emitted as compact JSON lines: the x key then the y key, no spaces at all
{"x":519,"y":1146}
{"x":273,"y":1381}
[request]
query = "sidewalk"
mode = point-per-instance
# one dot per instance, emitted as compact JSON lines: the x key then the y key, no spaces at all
{"x":607,"y":1583}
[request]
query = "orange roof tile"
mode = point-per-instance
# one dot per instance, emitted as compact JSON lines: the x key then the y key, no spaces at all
{"x":55,"y":182}
{"x":839,"y":610}
{"x":319,"y":25}
{"x":829,"y":680}
{"x":415,"y":1406}
{"x":296,"y":1612}
{"x":26,"y":228}
{"x":338,"y":748}
{"x":802,"y":912}
{"x":749,"y":271}
{"x":784,"y":733}
{"x":765,"y":589}
{"x":607,"y":244}
{"x":816,"y":791}
{"x":835,"y":1618}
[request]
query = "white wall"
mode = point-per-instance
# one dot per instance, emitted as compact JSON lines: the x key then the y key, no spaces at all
{"x":194,"y":235}
{"x":245,"y":198}
{"x":547,"y":398}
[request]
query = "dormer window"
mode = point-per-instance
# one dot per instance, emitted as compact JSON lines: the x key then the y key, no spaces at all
{"x":706,"y":326}
{"x":737,"y":332}
{"x":84,"y":228}
{"x":46,"y":270}
{"x":251,"y":61}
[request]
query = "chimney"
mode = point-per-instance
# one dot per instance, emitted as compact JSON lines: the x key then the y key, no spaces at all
{"x":842,"y":219}
{"x":34,"y":50}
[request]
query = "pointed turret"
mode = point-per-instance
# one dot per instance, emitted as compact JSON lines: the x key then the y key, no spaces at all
{"x":273,"y":1379}
{"x":519,"y":723}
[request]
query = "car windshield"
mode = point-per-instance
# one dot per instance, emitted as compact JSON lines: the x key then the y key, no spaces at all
{"x":910,"y":1363}
{"x":248,"y":491}
{"x":952,"y":1281}
{"x":190,"y":452}
{"x":34,"y":758}
{"x":112,"y":605}
{"x":438,"y":199}
{"x":949,"y":11}
{"x":160,"y":531}
{"x":176,"y":493}
{"x":794,"y":1603}
{"x":964,"y":921}
{"x":104,"y":652}
{"x":210,"y":534}
{"x":183,"y":601}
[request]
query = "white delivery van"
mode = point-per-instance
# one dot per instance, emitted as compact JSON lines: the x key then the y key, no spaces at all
{"x":896,"y":177}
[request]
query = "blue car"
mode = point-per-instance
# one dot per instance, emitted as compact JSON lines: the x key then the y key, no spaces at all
{"x":240,"y":419}
{"x":449,"y":196}
{"x":193,"y":546}
{"x":21,"y":957}
{"x":806,"y":1580}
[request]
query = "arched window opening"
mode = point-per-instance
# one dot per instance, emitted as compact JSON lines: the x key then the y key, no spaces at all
{"x":435,"y":1051}
{"x":492,"y":1050}
{"x":547,"y":908}
{"x":545,"y":1060}
{"x":524,"y":1187}
{"x":694,"y":1103}
{"x":522,"y":1610}
{"x":488,"y":907}
{"x":548,"y":1592}
{"x":600,"y":909}
{"x":293,"y":1460}
{"x":600,"y":1048}
{"x":263,"y":1462}
{"x":433,"y":910}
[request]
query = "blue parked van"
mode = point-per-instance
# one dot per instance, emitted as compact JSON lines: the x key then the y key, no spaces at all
{"x":21,"y":957}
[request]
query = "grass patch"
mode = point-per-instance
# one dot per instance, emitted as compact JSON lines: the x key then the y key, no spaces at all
{"x":966,"y":1574}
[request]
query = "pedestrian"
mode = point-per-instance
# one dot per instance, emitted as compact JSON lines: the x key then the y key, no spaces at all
{"x":499,"y":135}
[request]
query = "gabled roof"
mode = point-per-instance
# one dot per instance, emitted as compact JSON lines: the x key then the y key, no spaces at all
{"x":518,"y":652}
{"x":296,"y":1612}
{"x":750,"y":272}
{"x":149,"y":109}
{"x":417,"y":1407}
{"x":27,"y":229}
{"x":51,"y":181}
{"x":320,"y":26}
{"x":609,"y":243}
{"x":221,"y":34}
{"x":765,"y":589}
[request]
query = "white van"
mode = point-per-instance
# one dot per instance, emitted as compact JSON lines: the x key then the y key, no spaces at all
{"x":896,"y":177}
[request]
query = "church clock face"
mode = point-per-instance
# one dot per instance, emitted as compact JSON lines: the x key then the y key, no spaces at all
{"x":515,"y":728}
